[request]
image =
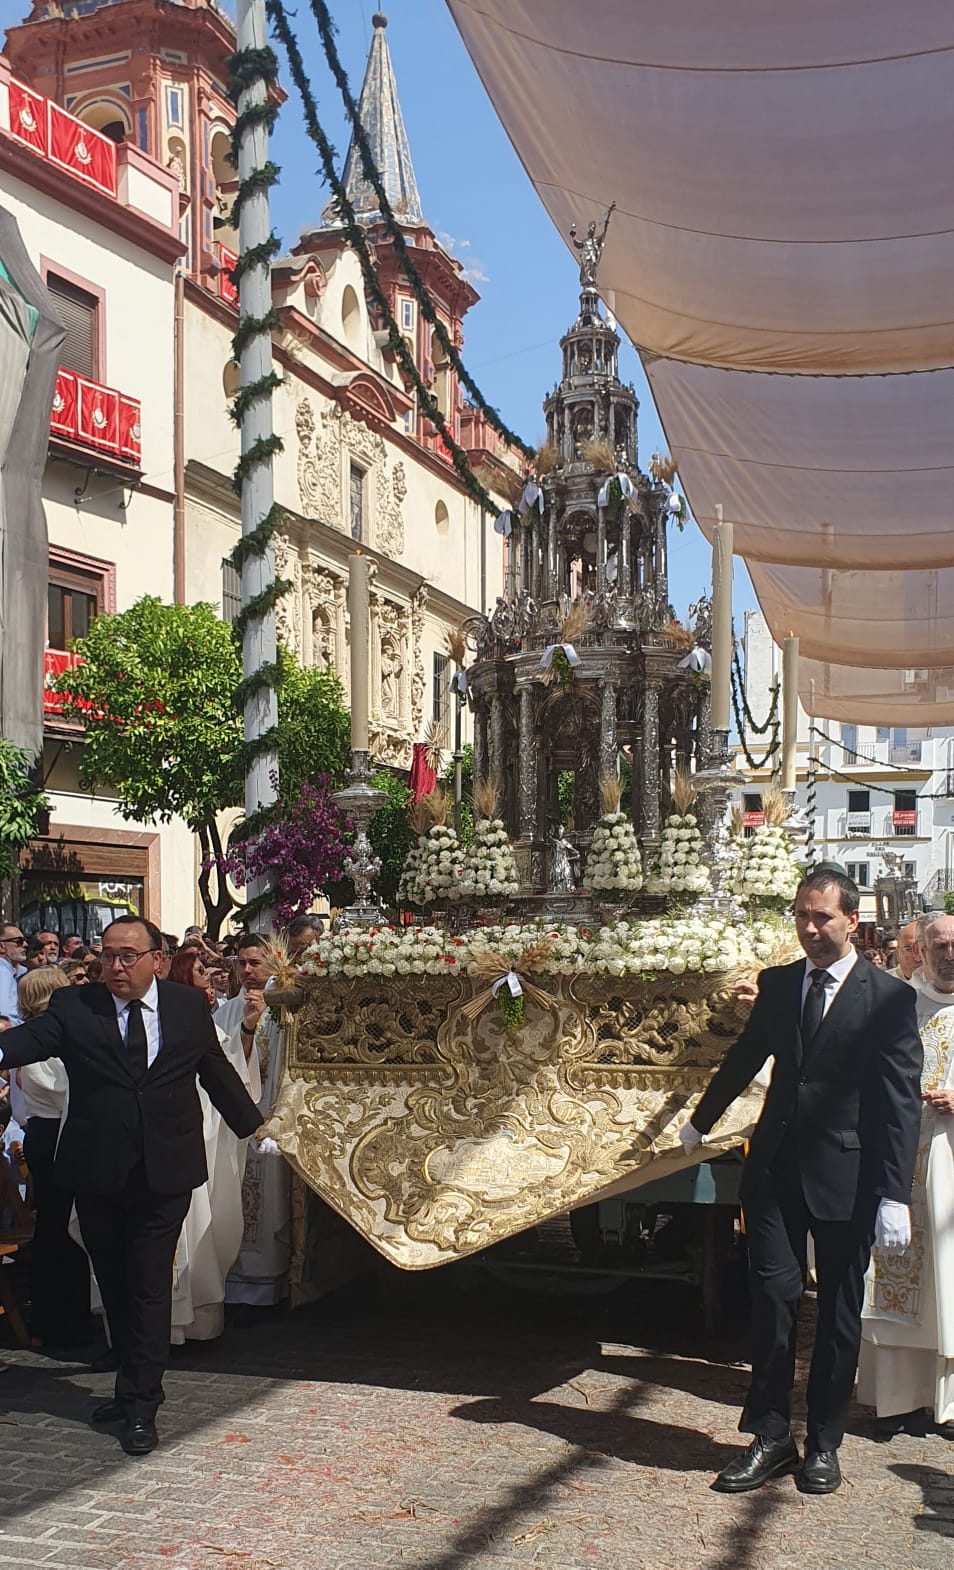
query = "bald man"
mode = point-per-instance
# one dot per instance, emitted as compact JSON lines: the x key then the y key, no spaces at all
{"x":909,"y":952}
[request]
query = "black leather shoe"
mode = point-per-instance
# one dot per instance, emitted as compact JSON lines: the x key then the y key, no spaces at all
{"x":917,"y":1424}
{"x":107,"y":1363}
{"x":821,"y":1473}
{"x":108,"y":1413}
{"x":944,"y":1430}
{"x":139,"y":1436}
{"x":764,"y":1459}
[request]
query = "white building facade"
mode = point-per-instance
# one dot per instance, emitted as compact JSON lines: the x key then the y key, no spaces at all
{"x":878,"y":789}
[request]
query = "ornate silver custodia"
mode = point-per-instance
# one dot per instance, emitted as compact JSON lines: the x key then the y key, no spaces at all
{"x":556,"y":710}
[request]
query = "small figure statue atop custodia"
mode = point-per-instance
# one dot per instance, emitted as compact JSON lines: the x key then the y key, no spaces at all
{"x":591,"y":249}
{"x":564,"y":861}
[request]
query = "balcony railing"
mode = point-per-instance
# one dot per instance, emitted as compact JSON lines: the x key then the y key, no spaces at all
{"x":61,"y":139}
{"x":905,"y":752}
{"x":55,"y":661}
{"x":905,"y":823}
{"x":87,"y":414}
{"x":858,"y":823}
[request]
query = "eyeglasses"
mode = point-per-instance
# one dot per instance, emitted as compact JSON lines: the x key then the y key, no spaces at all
{"x":18,"y":941}
{"x":125,"y":957}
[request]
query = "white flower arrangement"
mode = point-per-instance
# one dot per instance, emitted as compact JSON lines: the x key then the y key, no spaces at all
{"x":680,"y":868}
{"x":435,"y":873}
{"x":488,"y":869}
{"x":614,"y":862}
{"x":667,"y":946}
{"x":767,"y":868}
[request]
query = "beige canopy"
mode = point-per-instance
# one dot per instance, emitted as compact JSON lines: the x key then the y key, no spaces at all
{"x":782,"y":255}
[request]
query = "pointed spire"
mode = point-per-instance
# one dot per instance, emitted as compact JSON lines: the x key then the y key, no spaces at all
{"x":380,"y":111}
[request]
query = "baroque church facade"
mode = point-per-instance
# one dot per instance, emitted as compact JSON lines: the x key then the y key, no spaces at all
{"x":143,"y":84}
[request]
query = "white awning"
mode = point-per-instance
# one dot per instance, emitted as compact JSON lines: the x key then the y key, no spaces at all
{"x":782,"y":255}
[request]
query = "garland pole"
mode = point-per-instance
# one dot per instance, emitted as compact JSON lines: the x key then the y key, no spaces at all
{"x":257,"y":487}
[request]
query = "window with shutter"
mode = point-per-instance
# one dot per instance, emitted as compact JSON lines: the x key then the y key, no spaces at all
{"x":77,"y":311}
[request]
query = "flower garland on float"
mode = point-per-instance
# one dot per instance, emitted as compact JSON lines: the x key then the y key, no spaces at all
{"x":680,"y":868}
{"x":613,"y":864}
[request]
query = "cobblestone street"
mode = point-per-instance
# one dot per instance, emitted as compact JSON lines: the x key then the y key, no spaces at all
{"x":481,"y":1429}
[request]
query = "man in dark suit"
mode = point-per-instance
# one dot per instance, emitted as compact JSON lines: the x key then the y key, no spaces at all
{"x":131,"y":1148}
{"x":832,"y":1155}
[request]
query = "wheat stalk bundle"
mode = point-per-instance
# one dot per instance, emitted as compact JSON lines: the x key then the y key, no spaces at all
{"x":663,"y":467}
{"x":420,"y":816}
{"x":678,"y":634}
{"x":736,"y":822}
{"x":495,"y":968}
{"x":611,"y":793}
{"x":683,"y":792}
{"x":546,"y":458}
{"x":486,"y":795}
{"x":576,"y":622}
{"x":774,"y":806}
{"x":437,"y":807}
{"x":435,"y":740}
{"x":455,"y":644}
{"x":599,"y":452}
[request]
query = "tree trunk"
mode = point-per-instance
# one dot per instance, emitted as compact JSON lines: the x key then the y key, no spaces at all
{"x":210,"y":844}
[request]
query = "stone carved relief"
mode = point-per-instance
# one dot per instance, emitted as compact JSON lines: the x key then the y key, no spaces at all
{"x":321,"y":438}
{"x":419,"y":676}
{"x":324,"y":603}
{"x":288,"y":609}
{"x":319,"y":464}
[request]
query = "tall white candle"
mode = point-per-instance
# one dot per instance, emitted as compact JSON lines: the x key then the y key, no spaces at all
{"x":359,"y":610}
{"x":789,"y":710}
{"x":721,"y":621}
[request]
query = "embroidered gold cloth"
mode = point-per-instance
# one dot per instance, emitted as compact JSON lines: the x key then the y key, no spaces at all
{"x":435,"y":1134}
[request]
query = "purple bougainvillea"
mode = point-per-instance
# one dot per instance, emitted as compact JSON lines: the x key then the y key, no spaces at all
{"x":299,"y":852}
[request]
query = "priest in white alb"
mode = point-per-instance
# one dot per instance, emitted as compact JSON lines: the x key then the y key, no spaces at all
{"x":906,"y":1367}
{"x":259,"y":1277}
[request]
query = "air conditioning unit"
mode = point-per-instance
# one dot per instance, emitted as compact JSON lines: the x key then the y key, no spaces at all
{"x":915,"y":678}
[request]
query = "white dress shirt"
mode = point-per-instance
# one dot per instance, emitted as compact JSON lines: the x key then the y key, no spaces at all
{"x":150,"y":1018}
{"x":837,"y":973}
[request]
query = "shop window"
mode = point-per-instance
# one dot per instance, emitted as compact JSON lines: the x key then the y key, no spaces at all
{"x":858,"y":871}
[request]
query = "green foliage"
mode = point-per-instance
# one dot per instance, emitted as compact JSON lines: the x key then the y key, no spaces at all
{"x":390,"y":832}
{"x":949,"y":904}
{"x":155,"y":693}
{"x":314,"y":727}
{"x":21,"y":805}
{"x":566,"y":794}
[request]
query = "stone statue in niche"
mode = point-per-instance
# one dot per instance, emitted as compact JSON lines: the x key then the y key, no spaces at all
{"x":391,"y":667}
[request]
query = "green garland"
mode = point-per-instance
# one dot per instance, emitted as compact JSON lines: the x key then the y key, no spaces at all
{"x":247,"y":67}
{"x":373,"y":176}
{"x":741,"y":712}
{"x":356,"y":237}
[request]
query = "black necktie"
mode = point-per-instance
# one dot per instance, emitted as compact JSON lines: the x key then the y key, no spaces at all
{"x":814,"y":1010}
{"x":136,"y":1052}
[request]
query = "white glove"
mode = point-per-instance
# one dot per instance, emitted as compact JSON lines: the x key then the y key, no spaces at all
{"x":689,"y":1137}
{"x":892,"y":1227}
{"x":268,"y":1146}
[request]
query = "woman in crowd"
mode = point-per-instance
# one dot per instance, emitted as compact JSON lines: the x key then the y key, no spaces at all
{"x":59,"y":1272}
{"x":212,"y":1231}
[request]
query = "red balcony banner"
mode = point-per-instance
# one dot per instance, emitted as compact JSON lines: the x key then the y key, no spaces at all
{"x":130,"y":430}
{"x":55,"y":661}
{"x":28,"y":119}
{"x":63,"y":413}
{"x":753,"y":820}
{"x":905,"y":819}
{"x":227,"y":289}
{"x":97,"y":418}
{"x":84,"y":152}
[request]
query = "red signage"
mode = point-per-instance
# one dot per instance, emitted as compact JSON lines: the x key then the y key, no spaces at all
{"x":28,"y":120}
{"x":227,"y":289}
{"x":753,"y":820}
{"x":905,"y":819}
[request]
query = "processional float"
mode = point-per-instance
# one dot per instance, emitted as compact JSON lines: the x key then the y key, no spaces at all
{"x":536,"y":1040}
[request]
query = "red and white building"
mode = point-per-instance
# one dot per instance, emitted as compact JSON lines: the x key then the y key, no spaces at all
{"x":114,"y":135}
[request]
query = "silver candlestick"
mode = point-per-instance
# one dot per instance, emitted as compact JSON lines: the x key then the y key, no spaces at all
{"x":713,"y":786}
{"x":360,"y":801}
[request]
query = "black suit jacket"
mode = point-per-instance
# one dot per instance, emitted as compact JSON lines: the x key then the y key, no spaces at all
{"x":849,"y":1108}
{"x":114,"y":1120}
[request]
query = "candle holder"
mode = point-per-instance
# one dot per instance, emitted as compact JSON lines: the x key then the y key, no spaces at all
{"x":359,"y":800}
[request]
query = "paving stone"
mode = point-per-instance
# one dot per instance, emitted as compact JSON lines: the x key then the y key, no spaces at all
{"x":470,"y":1433}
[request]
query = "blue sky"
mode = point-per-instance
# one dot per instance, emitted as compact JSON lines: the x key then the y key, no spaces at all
{"x":478,"y":199}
